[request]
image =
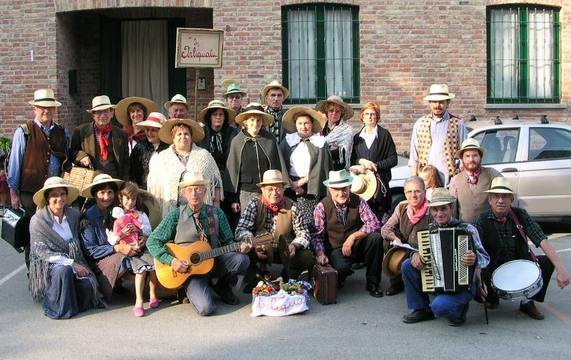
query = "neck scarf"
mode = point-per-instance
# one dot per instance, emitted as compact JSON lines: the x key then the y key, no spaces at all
{"x":274,"y":209}
{"x":274,"y":127}
{"x":473,"y":178}
{"x":415,"y":218}
{"x":103,"y":139}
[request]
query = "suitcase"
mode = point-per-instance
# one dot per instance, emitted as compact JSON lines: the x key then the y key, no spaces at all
{"x":15,"y":230}
{"x":325,"y":288}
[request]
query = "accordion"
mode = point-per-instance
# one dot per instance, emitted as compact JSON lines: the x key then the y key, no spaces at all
{"x":441,"y":250}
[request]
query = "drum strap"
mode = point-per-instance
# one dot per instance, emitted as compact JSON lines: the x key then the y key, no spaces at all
{"x":523,"y":236}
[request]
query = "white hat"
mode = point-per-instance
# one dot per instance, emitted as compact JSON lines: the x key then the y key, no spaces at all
{"x":364,"y":185}
{"x":338,"y":179}
{"x":272,"y":177}
{"x":44,"y":98}
{"x":273,"y":85}
{"x":192,"y":178}
{"x":501,"y":185}
{"x":154,"y":120}
{"x":177,"y":99}
{"x":98,"y":180}
{"x":439,"y":92}
{"x":100,"y":102}
{"x":55,"y":182}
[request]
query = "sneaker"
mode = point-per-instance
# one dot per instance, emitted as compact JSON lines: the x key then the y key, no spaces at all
{"x":418,"y":316}
{"x":531,"y":310}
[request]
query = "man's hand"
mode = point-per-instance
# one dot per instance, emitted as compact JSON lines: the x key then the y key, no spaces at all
{"x":347,"y":245}
{"x":180,"y":266}
{"x":15,"y":199}
{"x":85,"y":161}
{"x":322,"y":259}
{"x":125,"y":249}
{"x":562,"y":278}
{"x":468,"y":259}
{"x":245,"y":247}
{"x":292,"y":249}
{"x":80,"y":270}
{"x":416,"y":261}
{"x":482,"y":288}
{"x":235,"y":207}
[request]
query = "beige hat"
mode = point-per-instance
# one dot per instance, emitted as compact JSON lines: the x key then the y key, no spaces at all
{"x":196,"y":130}
{"x":272,"y":177}
{"x":254,"y":108}
{"x":364,"y":185}
{"x":501,"y":185}
{"x":191,"y":178}
{"x":469,"y":144}
{"x":55,"y":182}
{"x":123,"y":105}
{"x":273,"y":85}
{"x":216,"y":104}
{"x":291,"y":115}
{"x":154,"y":120}
{"x":441,"y":196}
{"x":44,"y":98}
{"x":439,"y":92}
{"x":338,"y":179}
{"x":393,"y":260}
{"x":100,"y":102}
{"x":348,"y":111}
{"x":98,"y":180}
{"x":177,"y":99}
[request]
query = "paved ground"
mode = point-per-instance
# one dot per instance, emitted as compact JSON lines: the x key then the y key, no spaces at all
{"x":359,"y":326}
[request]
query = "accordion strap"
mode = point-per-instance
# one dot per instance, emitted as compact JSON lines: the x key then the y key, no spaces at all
{"x":523,"y":235}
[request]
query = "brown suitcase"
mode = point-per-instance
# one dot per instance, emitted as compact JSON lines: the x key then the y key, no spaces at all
{"x":325,"y":288}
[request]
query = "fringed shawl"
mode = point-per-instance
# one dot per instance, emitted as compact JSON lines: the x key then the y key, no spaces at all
{"x":341,"y":137}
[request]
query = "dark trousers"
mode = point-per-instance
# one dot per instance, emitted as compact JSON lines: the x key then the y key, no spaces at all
{"x":292,"y":266}
{"x":67,"y":295}
{"x":368,"y":250}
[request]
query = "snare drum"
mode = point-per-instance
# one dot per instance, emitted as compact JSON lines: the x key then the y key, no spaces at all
{"x":517,"y":279}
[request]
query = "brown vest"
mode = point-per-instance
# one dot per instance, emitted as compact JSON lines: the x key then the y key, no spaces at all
{"x":283,"y":231}
{"x":407,"y":229}
{"x":336,"y":231}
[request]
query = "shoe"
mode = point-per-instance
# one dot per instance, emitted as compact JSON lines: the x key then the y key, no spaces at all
{"x":138,"y":311}
{"x":493,"y":305}
{"x":394,"y":289}
{"x":531,"y":310}
{"x":418,"y":316}
{"x":226,"y":294}
{"x":461,"y":319}
{"x":154,"y":303}
{"x":375,"y":291}
{"x":340,"y":283}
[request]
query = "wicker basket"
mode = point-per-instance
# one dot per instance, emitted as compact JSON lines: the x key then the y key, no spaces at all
{"x":79,"y":177}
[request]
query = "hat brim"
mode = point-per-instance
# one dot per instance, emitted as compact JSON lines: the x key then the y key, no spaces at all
{"x":123,"y":105}
{"x":441,"y":202}
{"x":184,"y":184}
{"x":54,"y":103}
{"x":288,"y":121}
{"x":267,"y":118}
{"x":267,"y":88}
{"x":226,"y":94}
{"x":149,"y":124}
{"x":196,"y":130}
{"x":86,"y":192}
{"x":40,"y":200}
{"x":263,"y":183}
{"x":168,"y":104}
{"x":439,"y":97}
{"x":345,"y":183}
{"x":458,"y":154}
{"x":103,"y":107}
{"x":230,"y":114}
{"x":348,"y":111}
{"x":371,"y":182}
{"x":499,"y":191}
{"x":393,"y":260}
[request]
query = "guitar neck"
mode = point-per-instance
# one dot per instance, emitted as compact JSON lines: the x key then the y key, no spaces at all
{"x":219,"y":251}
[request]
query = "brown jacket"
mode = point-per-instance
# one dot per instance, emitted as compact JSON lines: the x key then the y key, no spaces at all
{"x":399,"y":225}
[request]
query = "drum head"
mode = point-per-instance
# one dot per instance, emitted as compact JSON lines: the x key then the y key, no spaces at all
{"x":515,"y":275}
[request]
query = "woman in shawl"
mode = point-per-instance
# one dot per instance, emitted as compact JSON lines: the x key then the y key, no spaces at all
{"x":338,"y":134}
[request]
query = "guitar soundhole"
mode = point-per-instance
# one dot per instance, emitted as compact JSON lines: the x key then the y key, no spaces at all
{"x":195,"y":258}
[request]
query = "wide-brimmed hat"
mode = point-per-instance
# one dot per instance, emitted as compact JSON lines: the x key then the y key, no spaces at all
{"x":501,"y":185}
{"x":271,"y":177}
{"x":154,"y":120}
{"x":251,"y":109}
{"x":196,"y":130}
{"x":232,"y":87}
{"x":55,"y":182}
{"x":216,"y":104}
{"x":323,"y":105}
{"x":469,"y":144}
{"x":44,"y":98}
{"x":100,"y":102}
{"x":291,"y":115}
{"x":192,"y":179}
{"x":364,"y":185}
{"x":393,"y":260}
{"x":177,"y":99}
{"x":439,"y":92}
{"x":123,"y":105}
{"x":441,"y":196}
{"x":98,"y":180}
{"x":338,"y":179}
{"x":273,"y":85}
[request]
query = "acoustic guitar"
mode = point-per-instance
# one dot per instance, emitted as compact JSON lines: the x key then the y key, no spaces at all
{"x":200,"y":257}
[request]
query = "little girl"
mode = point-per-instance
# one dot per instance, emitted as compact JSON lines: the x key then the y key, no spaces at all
{"x":429,"y":174}
{"x":130,"y":224}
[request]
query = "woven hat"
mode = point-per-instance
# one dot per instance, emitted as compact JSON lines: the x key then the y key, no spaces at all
{"x":123,"y":105}
{"x":469,"y":144}
{"x":98,"y":180}
{"x":55,"y":182}
{"x":272,"y":177}
{"x":177,"y":99}
{"x":191,"y":179}
{"x":154,"y":120}
{"x":364,"y":185}
{"x":501,"y":185}
{"x":439,"y":92}
{"x":254,"y":108}
{"x":196,"y":130}
{"x":216,"y":104}
{"x":323,"y":105}
{"x":44,"y":98}
{"x":232,"y":88}
{"x":273,"y":85}
{"x":441,"y":196}
{"x":100,"y":102}
{"x":291,"y":115}
{"x":393,"y":260}
{"x":338,"y":179}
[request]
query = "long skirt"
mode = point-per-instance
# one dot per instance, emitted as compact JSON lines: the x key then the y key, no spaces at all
{"x":67,"y":295}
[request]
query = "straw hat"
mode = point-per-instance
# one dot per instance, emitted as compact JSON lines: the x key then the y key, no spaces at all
{"x":216,"y":104}
{"x":100,"y":102}
{"x":348,"y":111}
{"x":439,"y":92}
{"x":272,"y":177}
{"x":123,"y":105}
{"x":190,"y":179}
{"x":232,"y":88}
{"x":98,"y":180}
{"x":469,"y":144}
{"x":290,"y":116}
{"x":273,"y":85}
{"x":44,"y":98}
{"x":364,"y":185}
{"x":338,"y":179}
{"x":501,"y":185}
{"x":154,"y":120}
{"x":393,"y":260}
{"x":441,"y":196}
{"x":251,"y":109}
{"x":55,"y":182}
{"x":196,"y":130}
{"x":177,"y":99}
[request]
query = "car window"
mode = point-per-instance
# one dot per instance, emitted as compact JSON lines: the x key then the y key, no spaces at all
{"x":500,"y":145}
{"x":549,"y":143}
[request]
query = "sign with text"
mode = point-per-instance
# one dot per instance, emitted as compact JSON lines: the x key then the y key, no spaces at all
{"x":199,"y":48}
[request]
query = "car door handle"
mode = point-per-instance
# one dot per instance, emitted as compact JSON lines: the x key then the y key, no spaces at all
{"x":510,"y":169}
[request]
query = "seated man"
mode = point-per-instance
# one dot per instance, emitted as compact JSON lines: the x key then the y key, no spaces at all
{"x":504,"y":242}
{"x":409,"y":217}
{"x":347,"y":231}
{"x":273,"y":213}
{"x":453,"y":306}
{"x":197,"y":221}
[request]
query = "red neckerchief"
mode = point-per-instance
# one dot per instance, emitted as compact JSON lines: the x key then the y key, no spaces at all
{"x":273,"y":208}
{"x":102,"y":138}
{"x":415,"y":218}
{"x":473,"y":178}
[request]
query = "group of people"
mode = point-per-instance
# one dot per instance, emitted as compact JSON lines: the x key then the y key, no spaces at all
{"x":299,"y":177}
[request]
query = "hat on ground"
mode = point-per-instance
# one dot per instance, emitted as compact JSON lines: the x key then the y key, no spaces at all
{"x":291,"y":115}
{"x":216,"y":104}
{"x":364,"y":185}
{"x":393,"y":260}
{"x":439,"y":92}
{"x":192,"y":179}
{"x":323,"y":105}
{"x":196,"y":130}
{"x":501,"y":185}
{"x":99,"y":103}
{"x":469,"y":144}
{"x":338,"y":179}
{"x":273,"y":85}
{"x":232,"y":87}
{"x":123,"y":105}
{"x":44,"y":98}
{"x":177,"y":99}
{"x":55,"y":182}
{"x":154,"y":120}
{"x":254,"y":109}
{"x":98,"y":180}
{"x":272,"y":177}
{"x":441,"y":196}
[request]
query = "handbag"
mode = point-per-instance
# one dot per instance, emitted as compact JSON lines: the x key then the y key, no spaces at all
{"x":79,"y":177}
{"x":15,"y":224}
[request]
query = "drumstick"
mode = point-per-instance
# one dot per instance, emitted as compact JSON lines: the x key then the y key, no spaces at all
{"x":486,"y":311}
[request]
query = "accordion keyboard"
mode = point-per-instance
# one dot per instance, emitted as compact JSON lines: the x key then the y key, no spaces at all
{"x":425,"y":251}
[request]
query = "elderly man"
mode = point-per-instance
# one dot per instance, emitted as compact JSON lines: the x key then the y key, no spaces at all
{"x":346,"y":232}
{"x":99,"y":144}
{"x":275,"y":214}
{"x":177,"y":107}
{"x":452,"y":305}
{"x":505,"y":230}
{"x":233,"y":97}
{"x":470,"y":184}
{"x":193,"y":222}
{"x":273,"y":96}
{"x":408,"y":218}
{"x":436,"y":137}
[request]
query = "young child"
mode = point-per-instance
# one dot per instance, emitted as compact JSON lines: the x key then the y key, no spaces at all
{"x":429,"y":174}
{"x":131,"y":223}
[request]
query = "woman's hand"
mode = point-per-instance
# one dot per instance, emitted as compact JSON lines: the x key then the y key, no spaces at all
{"x":125,"y":249}
{"x":80,"y":270}
{"x":368,"y":165}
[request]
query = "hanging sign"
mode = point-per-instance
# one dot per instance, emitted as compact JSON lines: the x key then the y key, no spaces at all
{"x":199,"y":48}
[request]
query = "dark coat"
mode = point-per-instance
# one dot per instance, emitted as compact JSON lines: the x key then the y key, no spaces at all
{"x":228,"y":134}
{"x":140,"y":157}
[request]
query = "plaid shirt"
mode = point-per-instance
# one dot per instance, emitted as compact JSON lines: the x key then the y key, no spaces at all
{"x":370,"y":221}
